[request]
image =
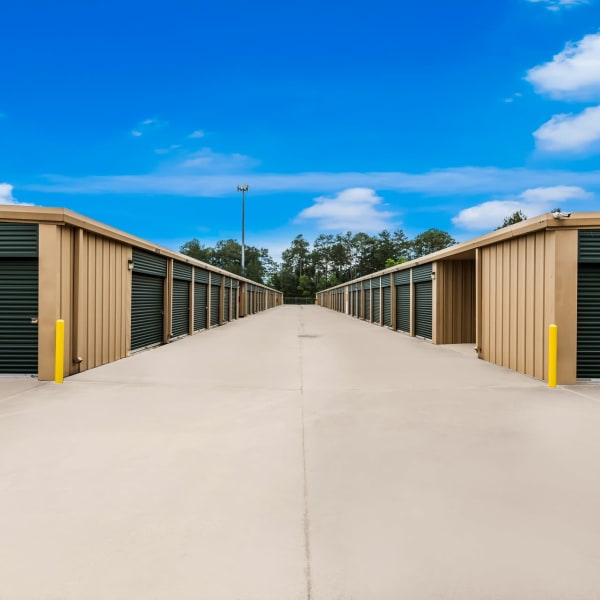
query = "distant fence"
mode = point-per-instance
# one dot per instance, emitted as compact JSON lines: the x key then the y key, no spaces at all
{"x":299,"y":300}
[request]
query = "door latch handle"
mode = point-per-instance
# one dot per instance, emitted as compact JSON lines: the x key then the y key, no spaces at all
{"x":34,"y":320}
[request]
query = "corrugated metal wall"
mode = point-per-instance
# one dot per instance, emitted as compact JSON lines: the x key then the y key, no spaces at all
{"x":456,"y":302}
{"x":86,"y":279}
{"x":514,"y":299}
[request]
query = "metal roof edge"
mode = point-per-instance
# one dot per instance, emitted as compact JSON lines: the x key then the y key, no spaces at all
{"x":539,"y":223}
{"x":63,"y":216}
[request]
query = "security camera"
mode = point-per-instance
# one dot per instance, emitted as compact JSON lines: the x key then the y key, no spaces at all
{"x":561,"y":215}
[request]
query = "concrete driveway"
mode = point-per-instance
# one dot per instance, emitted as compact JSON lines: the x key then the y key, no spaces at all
{"x":299,"y":454}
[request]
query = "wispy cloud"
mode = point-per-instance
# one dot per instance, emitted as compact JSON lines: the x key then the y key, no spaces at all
{"x":489,"y":215}
{"x":147,"y":126}
{"x":573,"y":74}
{"x":217,"y":162}
{"x":513,"y":98}
{"x":555,"y":5}
{"x":569,"y":132}
{"x":355,"y":208}
{"x":199,"y":133}
{"x":444,"y":182}
{"x":6,"y":196}
{"x":167,"y":150}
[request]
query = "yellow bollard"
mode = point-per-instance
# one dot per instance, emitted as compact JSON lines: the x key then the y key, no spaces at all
{"x":59,"y":361}
{"x":552,"y":355}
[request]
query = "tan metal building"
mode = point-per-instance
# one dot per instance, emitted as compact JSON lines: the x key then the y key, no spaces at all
{"x":499,"y":292}
{"x":116,"y":293}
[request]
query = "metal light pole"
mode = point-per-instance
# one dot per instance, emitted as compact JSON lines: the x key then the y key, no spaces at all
{"x":243,"y":188}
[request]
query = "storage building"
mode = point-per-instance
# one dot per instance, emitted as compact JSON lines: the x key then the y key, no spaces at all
{"x":499,"y":292}
{"x":116,"y":293}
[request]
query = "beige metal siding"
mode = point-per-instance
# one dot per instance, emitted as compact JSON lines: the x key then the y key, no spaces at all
{"x":455,"y":302}
{"x":527,"y":284}
{"x":103,"y":314}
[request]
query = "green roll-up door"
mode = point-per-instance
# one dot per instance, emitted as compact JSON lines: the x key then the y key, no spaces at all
{"x":377,"y":305}
{"x":19,"y":291}
{"x":387,"y":306}
{"x":226,"y":303}
{"x":181,"y":308}
{"x":147,"y":306}
{"x":215,"y":297}
{"x":18,"y":240}
{"x":403,"y":308}
{"x":588,"y":305}
{"x":18,"y":306}
{"x":200,"y":275}
{"x":367,"y":304}
{"x":149,"y":263}
{"x":182,"y":271}
{"x":402,"y":277}
{"x":423,"y":312}
{"x":234,"y":300}
{"x":200,"y":299}
{"x":354,"y":303}
{"x":422,"y":273}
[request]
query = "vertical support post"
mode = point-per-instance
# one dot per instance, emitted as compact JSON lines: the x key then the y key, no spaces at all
{"x":552,"y":355}
{"x":59,"y":360}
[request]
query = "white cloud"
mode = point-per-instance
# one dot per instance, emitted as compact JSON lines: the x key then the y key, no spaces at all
{"x":171,"y":148}
{"x":555,"y":5}
{"x":512,"y":98}
{"x":463,"y":181}
{"x":570,"y":133}
{"x":216,"y":162}
{"x":147,"y":126}
{"x":197,"y":134}
{"x":533,"y":202}
{"x":6,"y":196}
{"x":354,"y":208}
{"x":552,"y":195}
{"x":574,"y":73}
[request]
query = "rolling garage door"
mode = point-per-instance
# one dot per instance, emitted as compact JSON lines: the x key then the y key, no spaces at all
{"x":588,"y":306}
{"x":367,"y":293}
{"x":376,"y":302}
{"x":18,"y":298}
{"x":387,"y":300}
{"x":423,"y":301}
{"x":147,"y":299}
{"x":200,"y":298}
{"x":182,"y":277}
{"x":403,"y":301}
{"x":226,"y":300}
{"x":215,"y":299}
{"x":234,"y":300}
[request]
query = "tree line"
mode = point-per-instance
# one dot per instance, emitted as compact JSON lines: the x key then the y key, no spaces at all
{"x":331,"y":259}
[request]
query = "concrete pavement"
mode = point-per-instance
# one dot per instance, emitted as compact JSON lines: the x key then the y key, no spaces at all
{"x":299,"y":454}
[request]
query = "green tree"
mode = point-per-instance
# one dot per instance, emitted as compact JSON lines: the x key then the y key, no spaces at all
{"x":430,"y":241}
{"x":197,"y":250}
{"x":516,"y":217}
{"x":227,"y":255}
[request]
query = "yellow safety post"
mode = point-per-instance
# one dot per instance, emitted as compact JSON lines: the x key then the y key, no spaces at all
{"x":552,"y":355}
{"x":60,"y":351}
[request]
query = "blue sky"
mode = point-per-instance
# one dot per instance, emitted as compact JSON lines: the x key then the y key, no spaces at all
{"x":338,"y":115}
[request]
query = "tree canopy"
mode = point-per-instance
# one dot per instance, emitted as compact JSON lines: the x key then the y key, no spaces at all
{"x":331,"y":259}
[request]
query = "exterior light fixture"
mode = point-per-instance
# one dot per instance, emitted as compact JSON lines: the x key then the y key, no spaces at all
{"x":130,"y":264}
{"x":243,"y":188}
